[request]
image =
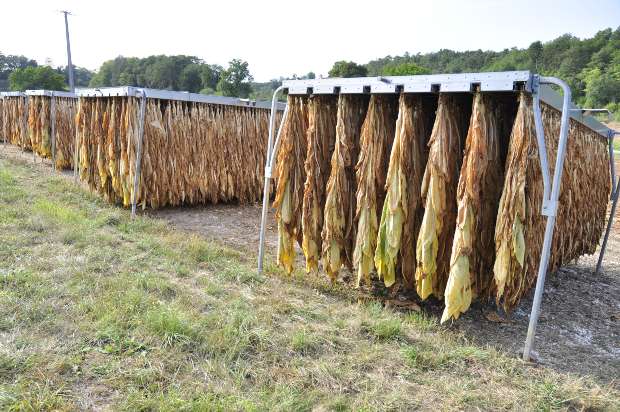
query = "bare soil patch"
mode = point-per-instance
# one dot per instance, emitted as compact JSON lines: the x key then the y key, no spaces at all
{"x":613,"y":125}
{"x":577,"y":335}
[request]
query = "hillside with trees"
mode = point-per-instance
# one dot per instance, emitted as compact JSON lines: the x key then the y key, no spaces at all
{"x":591,"y":67}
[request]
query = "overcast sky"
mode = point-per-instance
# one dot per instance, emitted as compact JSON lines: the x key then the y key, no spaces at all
{"x":279,"y":38}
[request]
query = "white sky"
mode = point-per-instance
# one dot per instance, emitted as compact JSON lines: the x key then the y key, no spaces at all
{"x":285,"y":37}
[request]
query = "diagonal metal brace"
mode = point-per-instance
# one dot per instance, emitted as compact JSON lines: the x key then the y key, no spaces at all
{"x":551,"y":194}
{"x":614,"y":198}
{"x":271,"y":155}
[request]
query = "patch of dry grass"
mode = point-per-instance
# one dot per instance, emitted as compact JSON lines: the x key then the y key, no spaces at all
{"x":103,"y":313}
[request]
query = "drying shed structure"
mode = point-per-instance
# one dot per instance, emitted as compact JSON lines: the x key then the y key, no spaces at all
{"x":50,"y":126}
{"x":161,"y":147}
{"x":428,"y":208}
{"x":14,"y":109}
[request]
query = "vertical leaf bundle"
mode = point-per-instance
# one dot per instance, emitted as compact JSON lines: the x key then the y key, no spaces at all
{"x":291,"y":176}
{"x":520,"y":227}
{"x":39,"y":125}
{"x":403,"y":208}
{"x":14,"y":119}
{"x":375,"y":143}
{"x":478,"y":196}
{"x":439,"y":190}
{"x":323,"y":110}
{"x":339,"y":232}
{"x":65,"y":109}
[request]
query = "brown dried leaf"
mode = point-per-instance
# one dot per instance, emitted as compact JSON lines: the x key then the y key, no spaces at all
{"x":478,"y":197}
{"x":375,"y":144}
{"x":581,"y":210}
{"x":406,"y":304}
{"x":339,"y":232}
{"x":494,"y":317}
{"x":439,"y":188}
{"x":290,"y":176}
{"x":323,"y":110}
{"x":192,"y":152}
{"x":13,"y":107}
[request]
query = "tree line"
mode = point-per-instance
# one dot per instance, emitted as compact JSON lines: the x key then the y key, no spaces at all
{"x":591,"y":67}
{"x":19,"y":73}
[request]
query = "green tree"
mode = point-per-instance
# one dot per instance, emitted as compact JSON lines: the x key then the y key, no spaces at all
{"x":10,"y":63}
{"x":190,"y":80}
{"x":81,"y":75}
{"x":161,"y":75}
{"x":158,"y":72}
{"x":236,"y":80}
{"x":109,"y":73}
{"x":536,"y":50}
{"x":405,"y":69}
{"x":348,"y":69}
{"x":35,"y":78}
{"x":603,"y":90}
{"x":210,"y":76}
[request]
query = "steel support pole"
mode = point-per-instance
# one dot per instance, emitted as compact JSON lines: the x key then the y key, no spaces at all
{"x":550,"y":204}
{"x":137,"y":179}
{"x":612,"y":163}
{"x":609,"y":223}
{"x":75,"y":159}
{"x":268,"y":170}
{"x":614,"y":198}
{"x":3,"y":123}
{"x":53,"y":118}
{"x":34,"y":151}
{"x":24,"y":124}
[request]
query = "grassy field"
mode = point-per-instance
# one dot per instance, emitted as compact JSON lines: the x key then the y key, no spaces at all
{"x":100,"y":313}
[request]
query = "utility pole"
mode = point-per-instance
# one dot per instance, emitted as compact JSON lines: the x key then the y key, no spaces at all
{"x":71,"y":87}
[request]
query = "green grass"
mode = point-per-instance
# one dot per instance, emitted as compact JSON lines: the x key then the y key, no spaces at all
{"x":99,"y":311}
{"x":616,"y":144}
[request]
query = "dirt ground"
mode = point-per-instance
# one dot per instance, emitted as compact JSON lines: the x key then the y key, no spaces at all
{"x":577,"y":335}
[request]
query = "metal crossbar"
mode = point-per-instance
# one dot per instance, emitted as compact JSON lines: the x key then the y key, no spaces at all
{"x":130,"y":91}
{"x":497,"y":82}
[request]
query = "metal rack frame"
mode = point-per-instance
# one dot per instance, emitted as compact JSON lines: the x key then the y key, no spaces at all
{"x":3,"y":120}
{"x":130,"y":91}
{"x":145,"y":93}
{"x":497,"y":83}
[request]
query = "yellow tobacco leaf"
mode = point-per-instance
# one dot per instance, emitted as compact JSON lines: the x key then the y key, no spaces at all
{"x":375,"y":144}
